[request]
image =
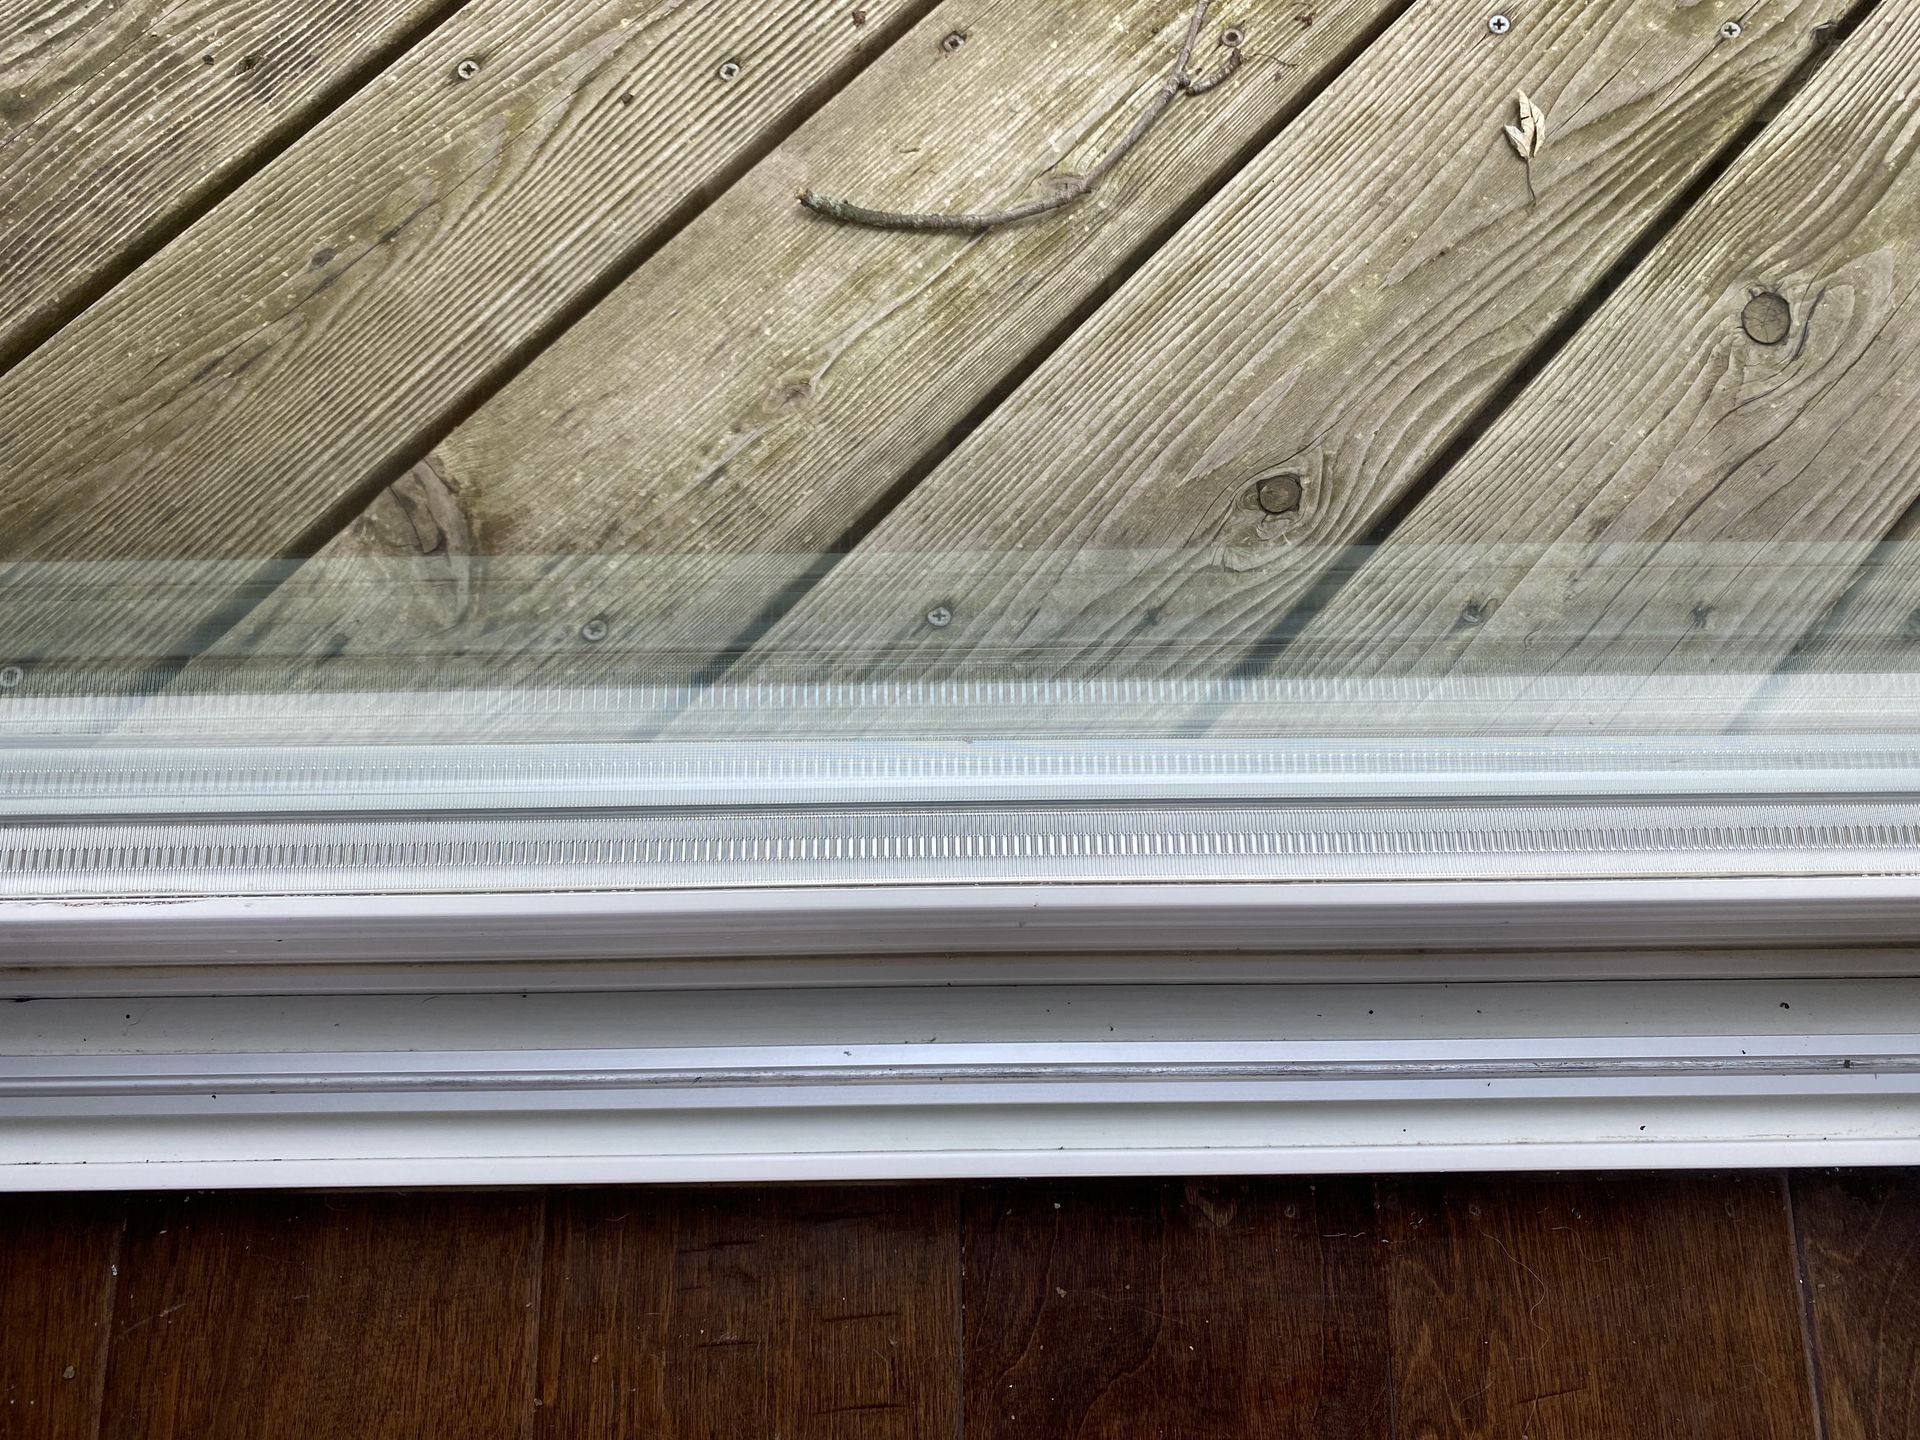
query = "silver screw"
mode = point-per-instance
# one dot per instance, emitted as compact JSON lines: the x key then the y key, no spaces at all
{"x":466,"y":69}
{"x":730,"y":70}
{"x":940,"y":617}
{"x":1730,"y":30}
{"x":594,"y":631}
{"x":1499,"y":24}
{"x":10,"y":676}
{"x":954,"y":42}
{"x":1231,"y":39}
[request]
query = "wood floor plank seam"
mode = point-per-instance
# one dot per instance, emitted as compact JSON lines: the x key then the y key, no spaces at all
{"x":104,"y":1356}
{"x":957,"y":1260}
{"x":1861,"y":1232}
{"x":536,"y":1311}
{"x":1815,"y":1385}
{"x":1389,"y":1325}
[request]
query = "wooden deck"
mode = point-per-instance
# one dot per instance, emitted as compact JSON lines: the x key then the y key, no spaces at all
{"x":347,"y":341}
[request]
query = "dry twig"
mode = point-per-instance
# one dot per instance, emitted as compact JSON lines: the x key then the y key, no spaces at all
{"x":1177,"y":84}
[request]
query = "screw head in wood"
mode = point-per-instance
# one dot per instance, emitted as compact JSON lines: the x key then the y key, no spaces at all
{"x":594,"y":631}
{"x":955,"y":41}
{"x":466,"y":69}
{"x":10,"y":676}
{"x":730,"y":70}
{"x":1233,"y":38}
{"x":1499,"y":24}
{"x":1768,"y":318}
{"x":940,"y":617}
{"x":1730,"y":30}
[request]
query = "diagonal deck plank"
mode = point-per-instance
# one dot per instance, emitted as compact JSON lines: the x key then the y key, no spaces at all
{"x":1329,"y":324}
{"x":312,"y":333}
{"x":1857,"y":665}
{"x":119,"y":121}
{"x":741,"y":403}
{"x":1699,"y":475}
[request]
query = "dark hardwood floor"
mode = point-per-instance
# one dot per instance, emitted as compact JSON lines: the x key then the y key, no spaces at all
{"x":1751,"y":1306}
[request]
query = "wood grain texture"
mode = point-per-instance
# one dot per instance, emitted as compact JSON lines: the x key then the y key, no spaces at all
{"x":734,"y":411}
{"x":119,"y":120}
{"x":791,"y":1312}
{"x":1860,"y":1236}
{"x":1674,"y":495}
{"x":1862,"y":656}
{"x":1236,"y":1309}
{"x":1329,"y":324}
{"x":57,"y":1260}
{"x":1592,"y":1309}
{"x":302,"y":339}
{"x":326,"y":1315}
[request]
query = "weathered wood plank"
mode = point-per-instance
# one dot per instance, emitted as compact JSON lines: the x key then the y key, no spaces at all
{"x":1328,"y":325}
{"x":118,"y":121}
{"x":1700,"y":474}
{"x":739,"y":405}
{"x":1595,"y":1309}
{"x":1204,"y":1309}
{"x":317,"y":328}
{"x":1857,"y":667}
{"x":766,"y":1311}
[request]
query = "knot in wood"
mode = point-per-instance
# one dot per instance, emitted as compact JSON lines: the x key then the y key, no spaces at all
{"x":1278,"y":494}
{"x":1768,"y":318}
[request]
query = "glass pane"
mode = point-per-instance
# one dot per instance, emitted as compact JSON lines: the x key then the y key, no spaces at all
{"x":1158,"y":442}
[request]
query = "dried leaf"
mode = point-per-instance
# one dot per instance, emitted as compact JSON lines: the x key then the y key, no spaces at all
{"x":1531,"y":133}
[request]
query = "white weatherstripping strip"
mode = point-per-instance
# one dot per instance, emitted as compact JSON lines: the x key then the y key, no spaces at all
{"x":973,"y":1081}
{"x":1138,"y":844}
{"x":62,"y":781}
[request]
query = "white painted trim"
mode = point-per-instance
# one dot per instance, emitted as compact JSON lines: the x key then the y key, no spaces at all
{"x":163,"y":1172}
{"x":870,"y":1083}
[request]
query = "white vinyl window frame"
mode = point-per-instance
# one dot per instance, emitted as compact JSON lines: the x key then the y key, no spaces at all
{"x":547,"y":1039}
{"x":241,"y":961}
